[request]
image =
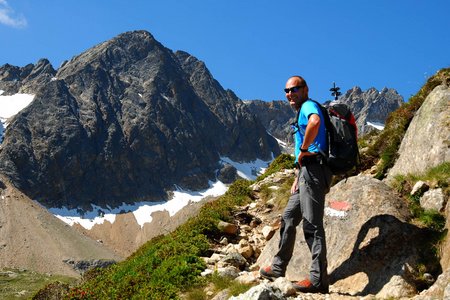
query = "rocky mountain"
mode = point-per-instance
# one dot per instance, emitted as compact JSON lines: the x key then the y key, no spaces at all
{"x":370,"y":108}
{"x":122,"y":122}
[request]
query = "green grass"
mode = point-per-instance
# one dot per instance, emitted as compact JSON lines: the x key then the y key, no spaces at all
{"x":436,"y":177}
{"x":22,"y":284}
{"x":166,"y":266}
{"x":217,"y":283}
{"x":281,"y":162}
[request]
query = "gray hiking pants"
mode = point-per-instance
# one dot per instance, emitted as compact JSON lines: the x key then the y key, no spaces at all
{"x":307,"y":205}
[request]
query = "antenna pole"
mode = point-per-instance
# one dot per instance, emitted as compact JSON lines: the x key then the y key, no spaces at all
{"x":335,"y":91}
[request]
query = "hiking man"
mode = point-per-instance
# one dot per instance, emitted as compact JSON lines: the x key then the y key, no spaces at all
{"x":307,"y":200}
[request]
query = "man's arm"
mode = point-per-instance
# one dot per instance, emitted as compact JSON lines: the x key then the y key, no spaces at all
{"x":312,"y":129}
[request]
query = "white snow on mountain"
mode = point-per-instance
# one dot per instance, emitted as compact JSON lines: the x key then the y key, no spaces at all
{"x":10,"y":106}
{"x":143,"y":210}
{"x":379,"y":126}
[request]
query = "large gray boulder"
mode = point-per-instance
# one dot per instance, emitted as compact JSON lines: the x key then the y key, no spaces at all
{"x":427,"y":141}
{"x":367,"y":230}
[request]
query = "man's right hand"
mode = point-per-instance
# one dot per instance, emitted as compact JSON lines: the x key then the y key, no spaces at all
{"x":294,"y":187}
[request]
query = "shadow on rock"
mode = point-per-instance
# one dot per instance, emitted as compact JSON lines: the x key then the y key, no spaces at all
{"x":386,"y":247}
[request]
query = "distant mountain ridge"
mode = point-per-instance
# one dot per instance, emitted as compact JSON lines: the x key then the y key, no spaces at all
{"x":371,"y":106}
{"x":122,"y":122}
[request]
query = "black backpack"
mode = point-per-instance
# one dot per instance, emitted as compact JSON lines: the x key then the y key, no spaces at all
{"x":343,"y":154}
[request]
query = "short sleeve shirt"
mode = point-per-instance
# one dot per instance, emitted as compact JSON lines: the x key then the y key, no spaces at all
{"x":307,"y":109}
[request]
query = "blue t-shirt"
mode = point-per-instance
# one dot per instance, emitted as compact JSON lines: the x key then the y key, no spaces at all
{"x":308,"y":108}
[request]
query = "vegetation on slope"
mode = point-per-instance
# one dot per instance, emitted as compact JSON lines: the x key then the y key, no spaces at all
{"x":385,"y":145}
{"x":167,"y":265}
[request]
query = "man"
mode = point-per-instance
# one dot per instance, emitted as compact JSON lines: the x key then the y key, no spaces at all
{"x":307,"y":200}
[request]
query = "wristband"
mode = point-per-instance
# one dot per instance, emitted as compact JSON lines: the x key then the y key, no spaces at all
{"x":303,"y":150}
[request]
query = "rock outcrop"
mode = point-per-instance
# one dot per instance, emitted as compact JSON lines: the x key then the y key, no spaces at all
{"x":24,"y":80}
{"x":123,"y":122}
{"x":276,"y":116}
{"x":427,"y":141}
{"x":371,"y":106}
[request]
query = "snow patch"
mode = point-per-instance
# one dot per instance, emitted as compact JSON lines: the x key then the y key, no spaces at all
{"x":10,"y":106}
{"x":248,"y":170}
{"x":142,"y":210}
{"x":379,"y":126}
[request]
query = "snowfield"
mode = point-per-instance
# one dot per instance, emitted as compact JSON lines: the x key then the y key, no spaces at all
{"x":10,"y":106}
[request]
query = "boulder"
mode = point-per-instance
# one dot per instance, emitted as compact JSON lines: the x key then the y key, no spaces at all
{"x":366,"y":230}
{"x":426,"y":142}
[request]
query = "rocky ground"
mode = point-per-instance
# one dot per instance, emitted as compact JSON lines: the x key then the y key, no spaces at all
{"x":239,"y":254}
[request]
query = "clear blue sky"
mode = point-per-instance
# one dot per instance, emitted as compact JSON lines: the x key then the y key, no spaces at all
{"x":250,"y":47}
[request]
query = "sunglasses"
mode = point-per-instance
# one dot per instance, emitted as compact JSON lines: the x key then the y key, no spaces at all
{"x":293,"y":89}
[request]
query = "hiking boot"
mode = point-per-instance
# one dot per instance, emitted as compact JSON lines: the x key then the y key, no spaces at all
{"x":305,"y":286}
{"x":267,"y":273}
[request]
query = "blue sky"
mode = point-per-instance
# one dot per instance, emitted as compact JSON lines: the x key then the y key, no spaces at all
{"x":250,"y":47}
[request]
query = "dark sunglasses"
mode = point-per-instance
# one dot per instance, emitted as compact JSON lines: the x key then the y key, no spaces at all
{"x":293,"y":89}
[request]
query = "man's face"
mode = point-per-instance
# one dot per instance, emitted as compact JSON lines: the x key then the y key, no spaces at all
{"x":295,"y":92}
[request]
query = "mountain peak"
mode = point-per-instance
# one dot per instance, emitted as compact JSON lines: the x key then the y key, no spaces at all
{"x":125,"y":121}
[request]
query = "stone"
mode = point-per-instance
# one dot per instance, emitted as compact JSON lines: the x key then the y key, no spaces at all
{"x":285,"y":286}
{"x":246,"y":251}
{"x":268,"y":232}
{"x":227,"y":228}
{"x":419,"y":188}
{"x":397,"y":288}
{"x":433,"y":200}
{"x":235,"y":259}
{"x":247,"y":277}
{"x":260,"y":292}
{"x":230,"y":271}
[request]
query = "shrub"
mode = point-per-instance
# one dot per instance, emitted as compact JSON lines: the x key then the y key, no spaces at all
{"x":281,"y":162}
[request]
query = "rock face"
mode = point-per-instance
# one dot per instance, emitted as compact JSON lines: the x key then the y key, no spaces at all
{"x":15,"y":80}
{"x":276,"y":116}
{"x":122,"y":122}
{"x":427,"y":140}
